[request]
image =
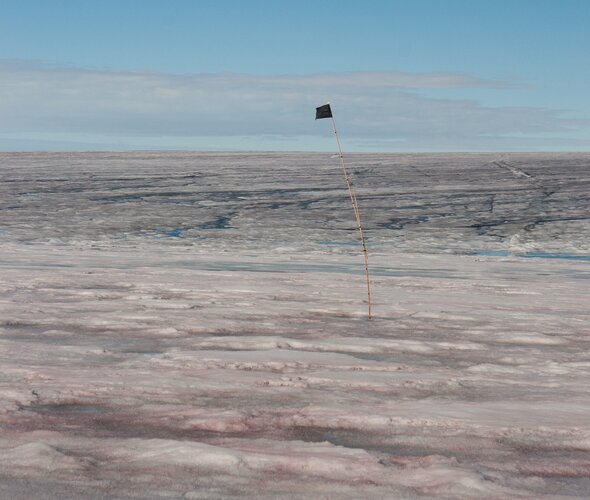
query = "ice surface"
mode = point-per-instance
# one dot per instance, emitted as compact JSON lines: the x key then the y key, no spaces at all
{"x":182,"y":325}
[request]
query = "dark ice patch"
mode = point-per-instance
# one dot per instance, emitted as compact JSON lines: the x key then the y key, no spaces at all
{"x":223,"y":222}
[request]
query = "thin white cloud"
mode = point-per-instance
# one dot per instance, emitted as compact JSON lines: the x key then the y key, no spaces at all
{"x":367,"y":79}
{"x":376,"y":106}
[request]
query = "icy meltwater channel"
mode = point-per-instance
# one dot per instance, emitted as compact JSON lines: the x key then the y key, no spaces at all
{"x":534,"y":255}
{"x":178,"y":325}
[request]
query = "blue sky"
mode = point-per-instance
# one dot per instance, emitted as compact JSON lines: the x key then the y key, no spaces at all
{"x":414,"y":75}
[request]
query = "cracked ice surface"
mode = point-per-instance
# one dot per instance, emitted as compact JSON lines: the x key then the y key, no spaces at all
{"x":178,"y":325}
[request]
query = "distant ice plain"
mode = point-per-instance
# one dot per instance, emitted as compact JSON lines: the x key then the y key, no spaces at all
{"x":192,"y":325}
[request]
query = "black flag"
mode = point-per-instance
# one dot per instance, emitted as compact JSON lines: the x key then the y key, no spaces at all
{"x":323,"y":112}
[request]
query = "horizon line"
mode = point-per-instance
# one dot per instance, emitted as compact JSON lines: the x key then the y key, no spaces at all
{"x":270,"y":151}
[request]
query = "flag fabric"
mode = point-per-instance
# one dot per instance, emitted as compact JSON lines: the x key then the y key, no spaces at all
{"x":323,"y":112}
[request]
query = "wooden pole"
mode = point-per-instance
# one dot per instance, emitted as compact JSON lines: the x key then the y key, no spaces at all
{"x":357,"y":215}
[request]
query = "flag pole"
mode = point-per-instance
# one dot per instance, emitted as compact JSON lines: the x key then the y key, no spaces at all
{"x":355,"y":206}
